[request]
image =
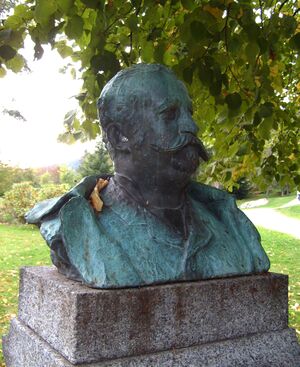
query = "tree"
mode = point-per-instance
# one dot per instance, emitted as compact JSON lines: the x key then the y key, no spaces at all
{"x":6,"y":178}
{"x":238,"y":59}
{"x":95,"y":163}
{"x":10,"y":175}
{"x":68,"y":176}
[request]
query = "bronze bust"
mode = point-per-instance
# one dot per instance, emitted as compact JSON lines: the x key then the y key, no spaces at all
{"x":155,"y":225}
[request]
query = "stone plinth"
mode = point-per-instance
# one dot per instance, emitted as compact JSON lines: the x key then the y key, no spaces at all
{"x":240,"y":321}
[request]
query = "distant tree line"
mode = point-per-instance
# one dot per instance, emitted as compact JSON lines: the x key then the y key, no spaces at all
{"x":21,"y":189}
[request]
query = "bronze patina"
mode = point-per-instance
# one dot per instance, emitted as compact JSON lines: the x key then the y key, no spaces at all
{"x":149,"y":223}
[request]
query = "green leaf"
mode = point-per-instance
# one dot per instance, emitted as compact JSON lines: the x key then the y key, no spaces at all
{"x":38,"y":51}
{"x":264,"y":128}
{"x":7,"y":52}
{"x":256,"y":119}
{"x":188,"y":4}
{"x":297,"y":180}
{"x":136,"y":3}
{"x":198,"y":30}
{"x":243,"y":149}
{"x":234,"y":101}
{"x":253,"y":31}
{"x":266,"y":110}
{"x":295,"y":41}
{"x":93,"y":4}
{"x":132,"y":22}
{"x":252,"y":50}
{"x":289,"y":25}
{"x":234,"y":44}
{"x":159,"y":52}
{"x":44,"y":10}
{"x":2,"y":72}
{"x":188,"y":75}
{"x":66,"y":5}
{"x":74,"y":27}
{"x":215,"y":87}
{"x":147,"y":52}
{"x":206,"y":74}
{"x":91,"y":129}
{"x":106,"y":61}
{"x":22,"y":11}
{"x":63,"y":49}
{"x":13,"y":22}
{"x":69,"y":117}
{"x":16,"y":64}
{"x":5,"y":35}
{"x":67,"y":138}
{"x":227,"y":176}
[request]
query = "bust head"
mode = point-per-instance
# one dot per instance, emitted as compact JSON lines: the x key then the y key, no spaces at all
{"x":146,"y":117}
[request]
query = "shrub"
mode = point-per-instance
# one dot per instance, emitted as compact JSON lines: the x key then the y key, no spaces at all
{"x":18,"y":201}
{"x":23,"y":196}
{"x":51,"y":190}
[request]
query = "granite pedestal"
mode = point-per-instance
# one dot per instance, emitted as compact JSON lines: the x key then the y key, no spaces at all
{"x":239,"y":321}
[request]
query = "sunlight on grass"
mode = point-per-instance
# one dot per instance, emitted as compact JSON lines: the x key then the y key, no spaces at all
{"x":291,"y":211}
{"x":273,"y":202}
{"x":284,"y":253}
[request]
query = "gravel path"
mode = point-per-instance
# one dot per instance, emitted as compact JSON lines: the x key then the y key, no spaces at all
{"x":271,"y":219}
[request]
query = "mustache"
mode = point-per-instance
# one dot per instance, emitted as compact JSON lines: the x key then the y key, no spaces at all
{"x":182,"y":141}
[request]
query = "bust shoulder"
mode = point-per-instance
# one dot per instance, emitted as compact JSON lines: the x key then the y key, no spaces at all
{"x":205,"y":193}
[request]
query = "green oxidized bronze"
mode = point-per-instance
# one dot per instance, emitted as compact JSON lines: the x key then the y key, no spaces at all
{"x":156,"y":225}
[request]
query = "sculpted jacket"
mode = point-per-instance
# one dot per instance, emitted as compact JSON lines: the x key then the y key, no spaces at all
{"x":126,"y":245}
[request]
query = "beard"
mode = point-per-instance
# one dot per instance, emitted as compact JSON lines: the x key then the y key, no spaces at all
{"x":186,"y":160}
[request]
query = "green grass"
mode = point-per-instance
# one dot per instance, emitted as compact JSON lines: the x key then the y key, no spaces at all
{"x":278,"y":201}
{"x":273,"y":202}
{"x":284,"y":253}
{"x":23,"y":245}
{"x":19,"y":246}
{"x":291,"y":211}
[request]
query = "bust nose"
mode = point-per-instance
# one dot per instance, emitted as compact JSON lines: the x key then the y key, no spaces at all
{"x":188,"y":125}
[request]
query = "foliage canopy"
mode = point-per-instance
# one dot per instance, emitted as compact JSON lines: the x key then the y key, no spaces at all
{"x":238,"y":59}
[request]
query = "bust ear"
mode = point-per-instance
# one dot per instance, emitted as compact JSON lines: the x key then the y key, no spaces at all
{"x":117,"y":139}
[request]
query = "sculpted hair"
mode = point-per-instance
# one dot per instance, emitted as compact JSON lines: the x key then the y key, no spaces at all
{"x":125,"y":99}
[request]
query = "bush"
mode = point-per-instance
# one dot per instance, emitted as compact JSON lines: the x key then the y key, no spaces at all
{"x":51,"y":190}
{"x":23,"y":196}
{"x":18,"y":201}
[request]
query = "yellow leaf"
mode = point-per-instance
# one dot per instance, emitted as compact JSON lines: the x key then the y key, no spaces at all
{"x":257,"y":81}
{"x":274,"y":70}
{"x":215,"y":12}
{"x":95,"y":199}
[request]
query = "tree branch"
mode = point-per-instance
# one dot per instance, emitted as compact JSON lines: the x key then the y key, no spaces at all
{"x":117,"y":19}
{"x":296,"y":11}
{"x":282,"y":5}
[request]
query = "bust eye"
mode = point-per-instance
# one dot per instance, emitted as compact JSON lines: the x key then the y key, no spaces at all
{"x":171,"y":113}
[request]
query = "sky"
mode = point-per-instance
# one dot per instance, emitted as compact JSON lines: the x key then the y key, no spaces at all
{"x":43,"y":96}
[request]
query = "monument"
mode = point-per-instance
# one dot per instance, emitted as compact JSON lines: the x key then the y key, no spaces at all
{"x":154,"y":269}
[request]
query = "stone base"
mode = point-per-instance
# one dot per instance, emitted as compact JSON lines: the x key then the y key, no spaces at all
{"x":24,"y":348}
{"x":240,"y":321}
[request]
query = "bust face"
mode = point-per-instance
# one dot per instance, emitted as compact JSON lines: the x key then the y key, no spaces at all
{"x":168,"y":129}
{"x":161,"y":121}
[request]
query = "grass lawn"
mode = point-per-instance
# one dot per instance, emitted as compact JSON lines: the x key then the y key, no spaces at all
{"x":23,"y":245}
{"x":284,"y":253}
{"x":291,"y":211}
{"x":19,"y":245}
{"x":273,"y":202}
